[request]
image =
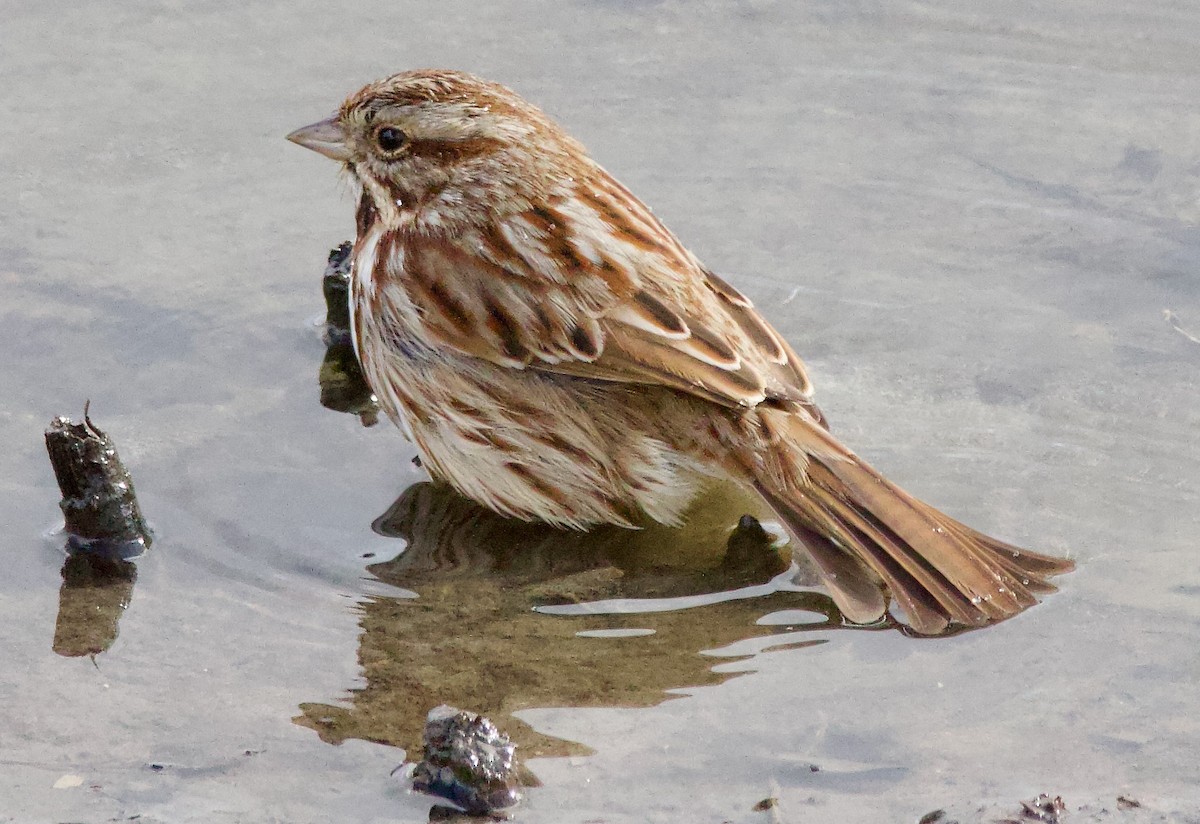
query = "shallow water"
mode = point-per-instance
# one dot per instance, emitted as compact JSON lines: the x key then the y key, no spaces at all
{"x":969,"y":218}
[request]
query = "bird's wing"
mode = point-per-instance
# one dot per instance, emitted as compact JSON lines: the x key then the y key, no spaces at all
{"x":598,"y":288}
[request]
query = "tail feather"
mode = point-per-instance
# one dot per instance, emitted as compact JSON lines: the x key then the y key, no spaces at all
{"x":855,"y":586}
{"x":861,"y":529}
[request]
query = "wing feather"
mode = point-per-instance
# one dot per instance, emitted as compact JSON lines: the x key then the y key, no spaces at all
{"x":596,"y":287}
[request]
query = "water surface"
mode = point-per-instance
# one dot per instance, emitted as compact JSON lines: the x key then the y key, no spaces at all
{"x":969,"y":218}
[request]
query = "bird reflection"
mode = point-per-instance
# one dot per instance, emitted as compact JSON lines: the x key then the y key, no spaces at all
{"x":500,"y":606}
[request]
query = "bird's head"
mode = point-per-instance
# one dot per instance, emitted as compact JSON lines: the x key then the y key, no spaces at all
{"x":444,"y":143}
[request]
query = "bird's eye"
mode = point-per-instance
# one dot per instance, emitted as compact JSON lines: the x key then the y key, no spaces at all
{"x":390,"y":139}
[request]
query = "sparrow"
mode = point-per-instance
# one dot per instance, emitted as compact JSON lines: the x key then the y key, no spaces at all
{"x":557,"y":354}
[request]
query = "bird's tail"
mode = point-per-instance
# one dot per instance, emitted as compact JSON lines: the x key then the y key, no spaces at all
{"x":862,"y":530}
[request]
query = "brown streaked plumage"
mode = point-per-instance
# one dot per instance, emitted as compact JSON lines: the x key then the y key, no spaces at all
{"x":557,"y":354}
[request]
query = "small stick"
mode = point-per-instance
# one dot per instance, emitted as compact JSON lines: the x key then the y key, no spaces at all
{"x":1173,"y":319}
{"x":336,"y":286}
{"x":343,"y":387}
{"x":99,"y":505}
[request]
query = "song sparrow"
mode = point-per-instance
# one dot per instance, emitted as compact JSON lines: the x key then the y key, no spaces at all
{"x":557,"y":354}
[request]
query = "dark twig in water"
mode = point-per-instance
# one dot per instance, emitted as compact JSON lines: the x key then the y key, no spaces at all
{"x":343,"y":387}
{"x":336,"y":286}
{"x":1044,"y":808}
{"x":770,"y":804}
{"x":99,"y":505}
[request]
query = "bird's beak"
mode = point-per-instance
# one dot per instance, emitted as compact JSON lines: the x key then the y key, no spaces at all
{"x":326,"y":136}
